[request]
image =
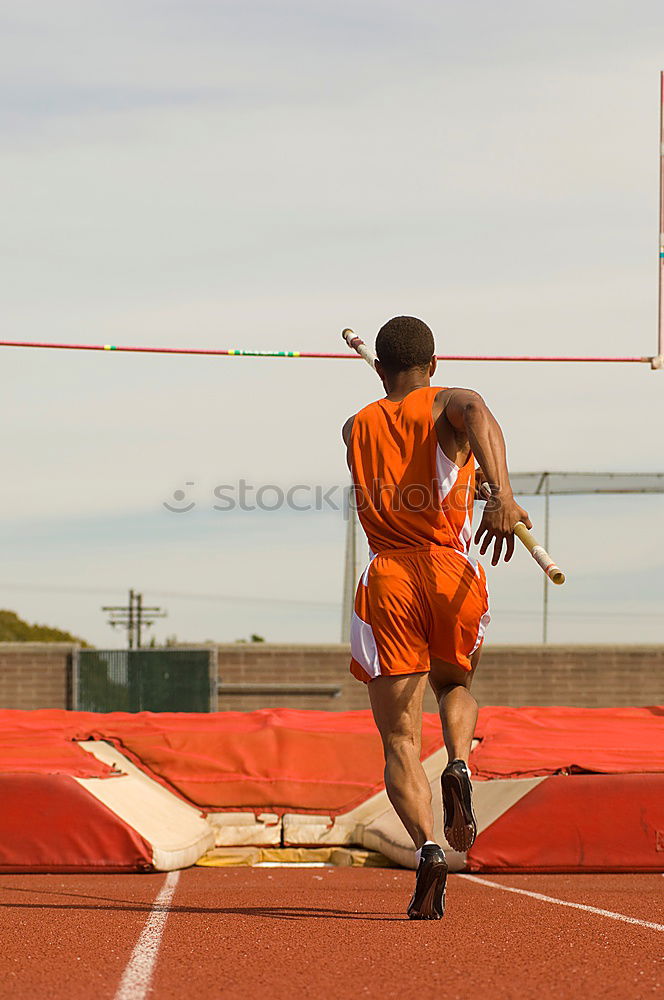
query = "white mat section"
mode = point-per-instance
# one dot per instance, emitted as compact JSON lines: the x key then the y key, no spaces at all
{"x":178,"y":833}
{"x":372,"y":824}
{"x":375,"y":825}
{"x":490,"y":800}
{"x":235,"y":829}
{"x":493,"y":798}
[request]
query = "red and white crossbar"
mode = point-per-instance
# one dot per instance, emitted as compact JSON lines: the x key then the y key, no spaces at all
{"x":236,"y":352}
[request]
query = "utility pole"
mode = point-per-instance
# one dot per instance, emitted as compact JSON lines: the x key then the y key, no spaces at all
{"x":139,"y":616}
{"x":545,"y":593}
{"x":134,"y":617}
{"x":130,"y":620}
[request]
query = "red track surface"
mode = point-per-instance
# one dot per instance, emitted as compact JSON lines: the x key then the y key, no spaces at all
{"x":288,"y":933}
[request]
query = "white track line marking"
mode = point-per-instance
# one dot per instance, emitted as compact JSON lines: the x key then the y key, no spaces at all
{"x":564,"y":902}
{"x":136,"y":977}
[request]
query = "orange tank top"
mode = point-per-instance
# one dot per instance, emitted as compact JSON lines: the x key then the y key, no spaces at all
{"x":408,"y":493}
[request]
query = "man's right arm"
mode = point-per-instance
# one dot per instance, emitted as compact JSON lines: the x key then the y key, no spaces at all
{"x":468,"y":414}
{"x":345,"y":433}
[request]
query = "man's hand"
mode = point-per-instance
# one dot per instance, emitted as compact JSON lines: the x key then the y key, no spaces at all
{"x":497,"y":525}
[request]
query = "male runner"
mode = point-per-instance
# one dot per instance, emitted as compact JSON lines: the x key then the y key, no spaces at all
{"x":422,"y":605}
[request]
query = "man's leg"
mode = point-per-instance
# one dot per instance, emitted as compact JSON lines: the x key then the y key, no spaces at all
{"x":396,"y":703}
{"x":457,"y":706}
{"x":458,"y":715}
{"x":397,"y":707}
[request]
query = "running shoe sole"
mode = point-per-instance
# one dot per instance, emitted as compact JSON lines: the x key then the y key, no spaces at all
{"x":460,"y":823}
{"x":428,"y":902}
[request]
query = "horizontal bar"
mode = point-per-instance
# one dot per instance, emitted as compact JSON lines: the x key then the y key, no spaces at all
{"x":531,"y":357}
{"x":232,"y":352}
{"x":330,"y":690}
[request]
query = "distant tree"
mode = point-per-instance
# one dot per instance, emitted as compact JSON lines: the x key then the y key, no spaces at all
{"x":14,"y":629}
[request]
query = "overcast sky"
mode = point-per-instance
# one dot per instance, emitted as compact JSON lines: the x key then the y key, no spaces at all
{"x":261,"y":175}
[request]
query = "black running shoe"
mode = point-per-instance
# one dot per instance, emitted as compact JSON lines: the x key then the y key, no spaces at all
{"x":428,"y":902}
{"x":459,"y":824}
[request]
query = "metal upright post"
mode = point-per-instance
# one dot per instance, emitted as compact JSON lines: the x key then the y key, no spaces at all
{"x":658,"y":360}
{"x":350,"y":568}
{"x":545,"y":584}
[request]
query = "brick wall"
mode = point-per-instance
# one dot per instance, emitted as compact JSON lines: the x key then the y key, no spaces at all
{"x":589,"y":676}
{"x":38,"y":675}
{"x":310,"y":667}
{"x":35,"y":674}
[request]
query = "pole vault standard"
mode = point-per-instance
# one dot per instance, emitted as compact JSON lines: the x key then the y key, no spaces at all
{"x":658,"y":360}
{"x":655,"y":361}
{"x":537,"y":551}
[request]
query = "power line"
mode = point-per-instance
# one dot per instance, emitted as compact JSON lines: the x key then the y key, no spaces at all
{"x":173,"y":594}
{"x":242,"y":599}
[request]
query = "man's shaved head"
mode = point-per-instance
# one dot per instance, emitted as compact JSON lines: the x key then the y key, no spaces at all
{"x":404,"y":343}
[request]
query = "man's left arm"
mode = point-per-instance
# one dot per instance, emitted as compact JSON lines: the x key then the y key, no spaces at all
{"x":468,"y":413}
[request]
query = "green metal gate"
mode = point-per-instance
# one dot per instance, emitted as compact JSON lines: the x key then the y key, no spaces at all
{"x":145,"y":680}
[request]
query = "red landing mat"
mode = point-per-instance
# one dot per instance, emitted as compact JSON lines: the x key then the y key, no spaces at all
{"x":60,"y":827}
{"x":581,"y":822}
{"x":283,"y":760}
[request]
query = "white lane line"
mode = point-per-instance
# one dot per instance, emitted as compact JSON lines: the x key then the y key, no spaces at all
{"x":136,"y":977}
{"x":565,"y":902}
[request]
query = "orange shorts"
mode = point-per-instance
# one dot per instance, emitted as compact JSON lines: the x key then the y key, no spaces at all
{"x":414,"y":604}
